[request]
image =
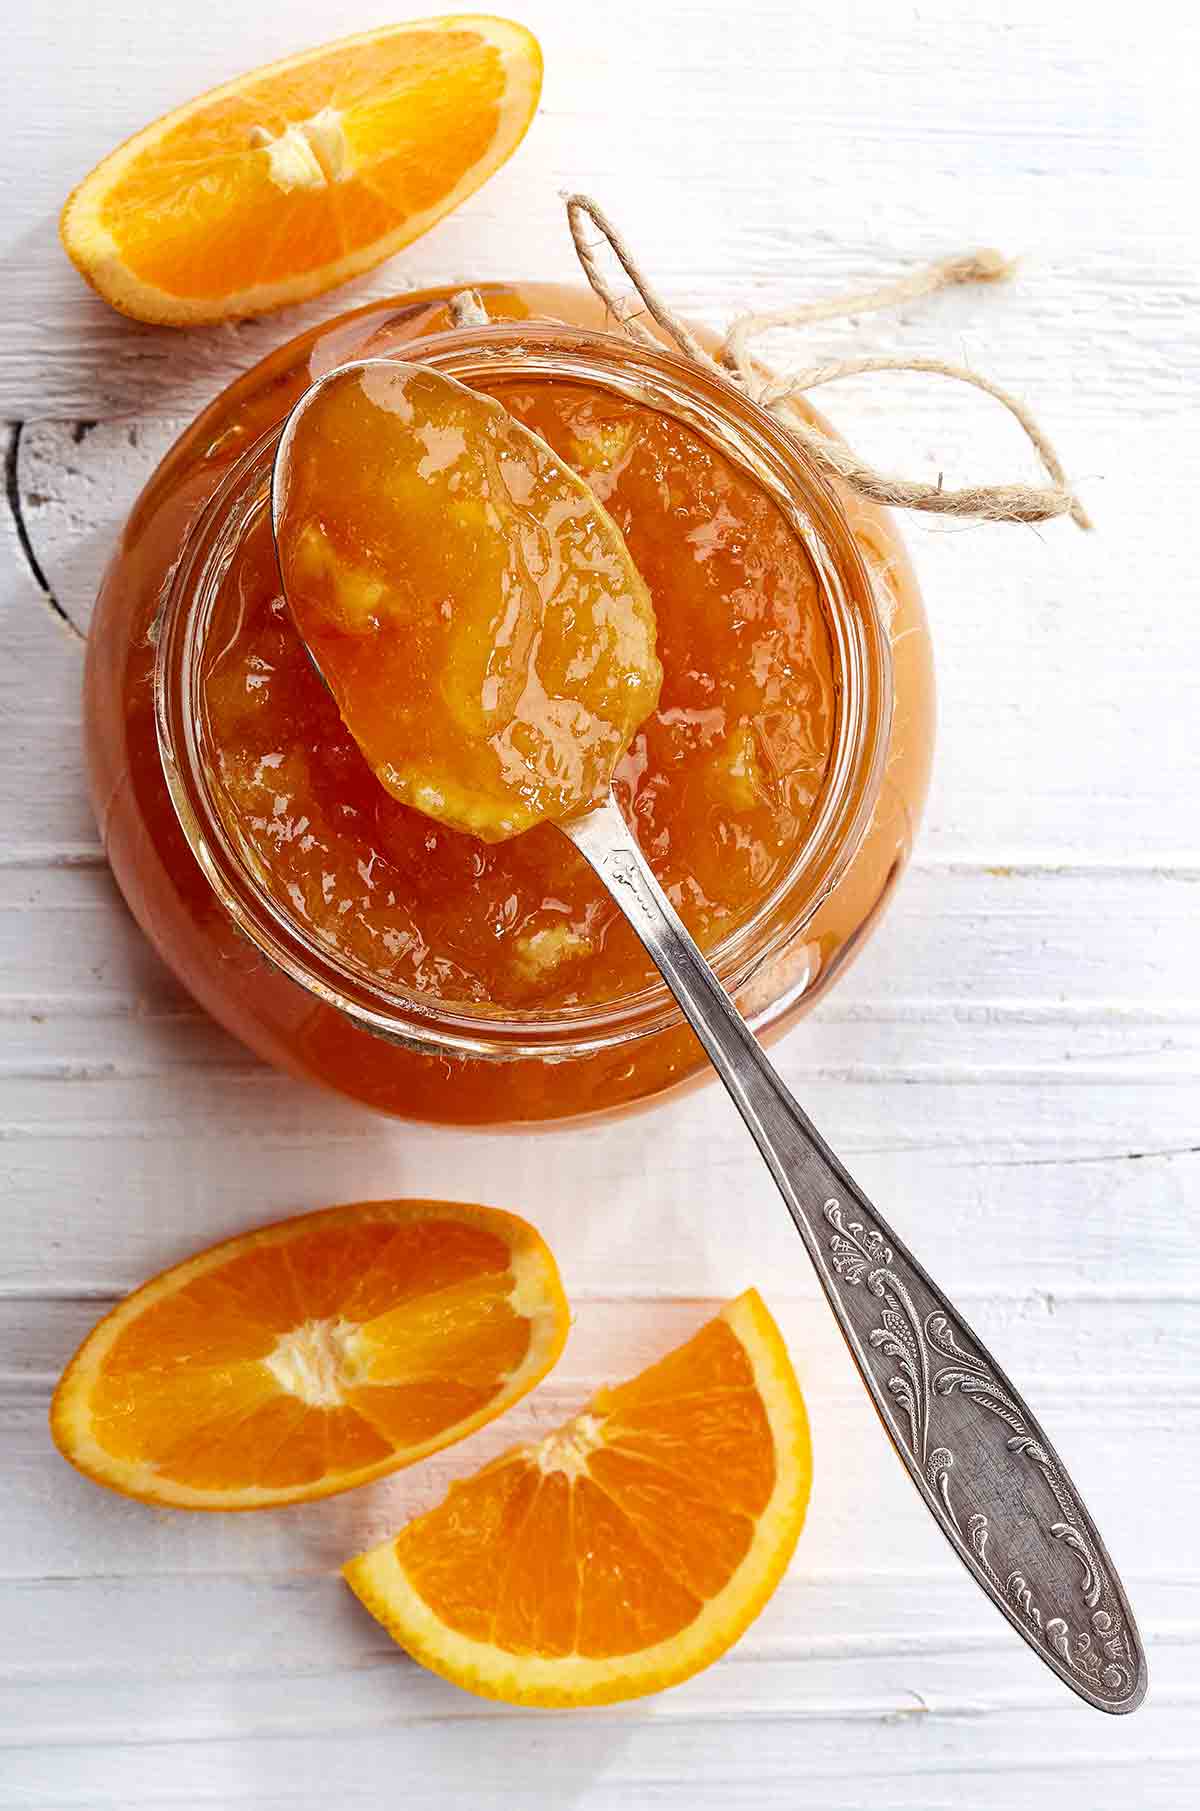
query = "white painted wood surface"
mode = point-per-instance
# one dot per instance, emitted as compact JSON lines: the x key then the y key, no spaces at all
{"x":1011,"y":1068}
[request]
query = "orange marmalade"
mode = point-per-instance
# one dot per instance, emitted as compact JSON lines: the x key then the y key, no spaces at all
{"x":469,"y":603}
{"x":774,"y":788}
{"x":720,"y":780}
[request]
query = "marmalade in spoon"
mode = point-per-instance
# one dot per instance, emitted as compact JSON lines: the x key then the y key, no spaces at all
{"x":470,"y":604}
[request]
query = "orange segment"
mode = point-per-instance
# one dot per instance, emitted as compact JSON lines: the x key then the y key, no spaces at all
{"x":625,"y":1551}
{"x":312,"y":1355}
{"x":304,"y":173}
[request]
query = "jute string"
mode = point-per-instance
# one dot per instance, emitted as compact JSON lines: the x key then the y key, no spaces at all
{"x":735,"y":361}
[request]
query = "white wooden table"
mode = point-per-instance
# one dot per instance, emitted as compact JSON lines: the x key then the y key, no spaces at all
{"x":1011,"y":1068}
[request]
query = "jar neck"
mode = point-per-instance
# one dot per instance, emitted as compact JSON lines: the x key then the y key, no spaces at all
{"x":742,"y":433}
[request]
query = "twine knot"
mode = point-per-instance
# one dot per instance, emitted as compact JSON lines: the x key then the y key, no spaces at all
{"x":735,"y":362}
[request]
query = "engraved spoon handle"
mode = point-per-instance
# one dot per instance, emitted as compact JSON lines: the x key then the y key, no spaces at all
{"x":978,"y":1456}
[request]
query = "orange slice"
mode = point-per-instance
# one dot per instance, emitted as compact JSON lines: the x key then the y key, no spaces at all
{"x":312,"y":1355}
{"x":622,"y":1553}
{"x":303,"y":173}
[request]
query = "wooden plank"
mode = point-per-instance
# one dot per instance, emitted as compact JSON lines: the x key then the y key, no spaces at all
{"x":907,"y":1757}
{"x":1055,"y":954}
{"x":111,"y":1177}
{"x":257,"y":1645}
{"x":109,"y":1632}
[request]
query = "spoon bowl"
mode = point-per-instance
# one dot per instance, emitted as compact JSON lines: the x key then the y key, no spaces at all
{"x":475,"y":610}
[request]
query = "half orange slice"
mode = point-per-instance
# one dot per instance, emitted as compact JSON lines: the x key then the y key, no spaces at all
{"x":312,"y":1355}
{"x":622,"y":1553}
{"x":303,"y":173}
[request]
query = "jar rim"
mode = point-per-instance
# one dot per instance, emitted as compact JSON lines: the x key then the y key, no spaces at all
{"x":742,"y":432}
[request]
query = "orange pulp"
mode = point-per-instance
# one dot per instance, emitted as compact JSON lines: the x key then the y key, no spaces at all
{"x":312,"y":1355}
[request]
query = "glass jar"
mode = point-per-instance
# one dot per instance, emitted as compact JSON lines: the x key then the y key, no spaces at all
{"x":294,"y":1000}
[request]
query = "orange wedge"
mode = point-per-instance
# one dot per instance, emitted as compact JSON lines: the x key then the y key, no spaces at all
{"x":312,"y":1355}
{"x":622,"y":1553}
{"x":303,"y":173}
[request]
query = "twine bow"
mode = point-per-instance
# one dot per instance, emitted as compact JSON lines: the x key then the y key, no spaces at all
{"x":735,"y":362}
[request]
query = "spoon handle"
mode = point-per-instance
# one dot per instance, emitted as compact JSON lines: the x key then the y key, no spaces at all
{"x":978,"y":1456}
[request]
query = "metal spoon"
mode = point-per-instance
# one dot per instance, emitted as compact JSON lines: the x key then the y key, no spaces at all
{"x":977,"y":1455}
{"x":975,"y":1451}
